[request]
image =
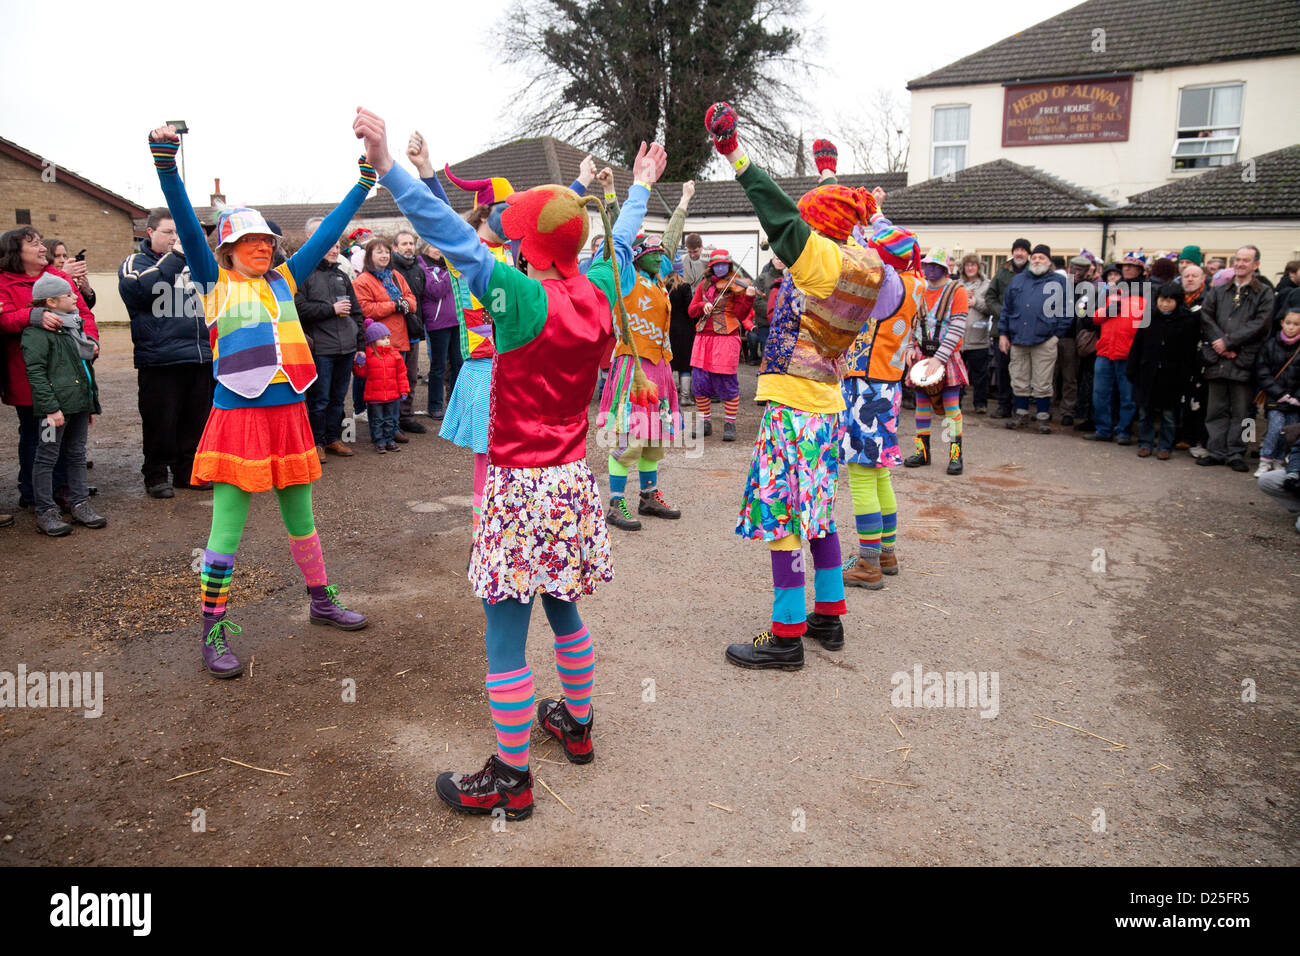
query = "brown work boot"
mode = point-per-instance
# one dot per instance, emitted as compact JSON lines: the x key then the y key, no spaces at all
{"x":888,"y":562}
{"x":337,"y":447}
{"x":320,"y":453}
{"x":861,"y":573}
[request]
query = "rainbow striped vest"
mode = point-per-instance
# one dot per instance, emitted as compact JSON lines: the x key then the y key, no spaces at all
{"x":253,"y":343}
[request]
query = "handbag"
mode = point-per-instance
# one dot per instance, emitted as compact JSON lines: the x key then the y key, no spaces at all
{"x":1260,"y":397}
{"x":1085,"y":342}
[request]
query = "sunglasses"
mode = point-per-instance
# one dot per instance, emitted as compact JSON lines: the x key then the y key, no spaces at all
{"x":255,"y":241}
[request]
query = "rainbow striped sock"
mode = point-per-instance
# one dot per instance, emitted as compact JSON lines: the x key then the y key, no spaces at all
{"x":828,"y":576}
{"x":870,"y":529}
{"x":575,"y":662}
{"x":889,"y":531}
{"x":218,"y":569}
{"x":309,"y":557}
{"x":480,"y":479}
{"x":922,"y":419}
{"x":952,"y":412}
{"x":510,"y":698}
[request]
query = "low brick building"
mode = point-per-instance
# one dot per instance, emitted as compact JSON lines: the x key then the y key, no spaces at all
{"x":35,"y":191}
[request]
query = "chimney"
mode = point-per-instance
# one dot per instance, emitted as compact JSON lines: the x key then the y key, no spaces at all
{"x":217,"y":198}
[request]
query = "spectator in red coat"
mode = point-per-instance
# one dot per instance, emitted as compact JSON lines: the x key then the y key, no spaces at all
{"x":1117,"y":322}
{"x":22,"y":262}
{"x":384,"y":371}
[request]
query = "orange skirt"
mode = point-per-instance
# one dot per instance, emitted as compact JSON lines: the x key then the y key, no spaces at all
{"x":258,"y":449}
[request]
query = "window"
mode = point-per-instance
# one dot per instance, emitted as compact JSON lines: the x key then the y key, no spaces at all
{"x":23,"y":217}
{"x":1209,"y":126}
{"x":949,"y":136}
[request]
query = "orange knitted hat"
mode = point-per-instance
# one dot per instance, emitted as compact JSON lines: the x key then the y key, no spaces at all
{"x":834,"y":210}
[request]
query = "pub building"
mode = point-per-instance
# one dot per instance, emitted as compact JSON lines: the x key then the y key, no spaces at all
{"x":1135,"y":123}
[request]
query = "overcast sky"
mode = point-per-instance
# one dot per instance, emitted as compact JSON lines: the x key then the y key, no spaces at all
{"x":269,"y":89}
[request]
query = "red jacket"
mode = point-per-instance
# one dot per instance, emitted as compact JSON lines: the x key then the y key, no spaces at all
{"x":1117,"y":323}
{"x":377,"y":304}
{"x":15,"y":311}
{"x":385,"y":375}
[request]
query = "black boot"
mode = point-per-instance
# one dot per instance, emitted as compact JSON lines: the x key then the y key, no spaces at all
{"x":954,"y":457}
{"x":766,"y":651}
{"x":922,"y":456}
{"x":827,"y":628}
{"x":620,"y":517}
{"x":728,"y":431}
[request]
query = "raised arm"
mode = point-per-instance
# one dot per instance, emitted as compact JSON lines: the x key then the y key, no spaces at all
{"x":164,"y":143}
{"x":417,"y":151}
{"x":313,"y":250}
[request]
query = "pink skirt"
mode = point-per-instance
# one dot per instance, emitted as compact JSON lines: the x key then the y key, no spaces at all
{"x":643,"y":427}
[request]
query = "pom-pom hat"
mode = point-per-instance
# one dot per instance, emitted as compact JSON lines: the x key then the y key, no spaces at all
{"x":550,"y":223}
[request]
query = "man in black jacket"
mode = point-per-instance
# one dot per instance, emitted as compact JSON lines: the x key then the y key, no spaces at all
{"x":173,"y":355}
{"x":404,"y":246}
{"x":993,"y":302}
{"x":332,"y":320}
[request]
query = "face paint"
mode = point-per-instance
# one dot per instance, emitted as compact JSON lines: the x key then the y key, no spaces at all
{"x":253,"y":254}
{"x":649,"y":263}
{"x":721,"y":269}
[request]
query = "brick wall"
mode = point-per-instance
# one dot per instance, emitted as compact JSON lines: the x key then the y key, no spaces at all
{"x":62,"y":211}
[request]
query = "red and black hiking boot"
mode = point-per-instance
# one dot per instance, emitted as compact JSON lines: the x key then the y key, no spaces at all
{"x":652,"y":503}
{"x":554,"y":717}
{"x":497,"y":785}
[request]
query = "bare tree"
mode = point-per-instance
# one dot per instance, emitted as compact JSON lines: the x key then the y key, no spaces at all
{"x":609,"y":74}
{"x":877,"y":133}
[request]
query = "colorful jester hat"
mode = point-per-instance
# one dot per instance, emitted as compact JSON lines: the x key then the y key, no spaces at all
{"x":487,"y":192}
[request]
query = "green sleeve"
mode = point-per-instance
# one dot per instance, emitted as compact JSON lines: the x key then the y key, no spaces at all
{"x":601,"y":275}
{"x":36,"y":353}
{"x":672,"y":236}
{"x":517,"y":305}
{"x":777,"y":214}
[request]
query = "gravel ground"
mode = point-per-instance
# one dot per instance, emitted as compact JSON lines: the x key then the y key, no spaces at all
{"x":1129,"y":598}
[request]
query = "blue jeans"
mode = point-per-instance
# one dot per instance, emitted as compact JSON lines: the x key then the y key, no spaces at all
{"x":326,"y":396}
{"x":66,"y":443}
{"x":1108,"y":377}
{"x":1274,"y":445}
{"x":444,"y":365}
{"x":29,"y":438}
{"x":382,"y":418}
{"x":1147,"y":428}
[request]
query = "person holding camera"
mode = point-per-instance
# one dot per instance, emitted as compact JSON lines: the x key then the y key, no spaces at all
{"x":385,"y":297}
{"x":74,"y":267}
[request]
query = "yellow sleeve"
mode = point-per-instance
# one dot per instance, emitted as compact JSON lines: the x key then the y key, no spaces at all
{"x":817,"y":269}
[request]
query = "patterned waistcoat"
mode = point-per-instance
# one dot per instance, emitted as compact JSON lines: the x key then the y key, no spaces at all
{"x":251,"y":343}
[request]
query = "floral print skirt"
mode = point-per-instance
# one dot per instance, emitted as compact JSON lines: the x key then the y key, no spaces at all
{"x":791,"y":485}
{"x":542,"y":529}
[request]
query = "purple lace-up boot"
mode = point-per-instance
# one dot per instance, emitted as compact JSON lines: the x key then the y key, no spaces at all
{"x":326,"y":608}
{"x":218,"y":658}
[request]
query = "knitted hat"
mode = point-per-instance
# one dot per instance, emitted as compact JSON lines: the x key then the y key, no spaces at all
{"x":1042,"y":249}
{"x":1191,"y":254}
{"x":896,"y":247}
{"x":1110,"y":267}
{"x":1134,"y":258}
{"x":49,"y":286}
{"x":235,"y":222}
{"x":825,"y":155}
{"x":376,"y":331}
{"x":1170,"y":290}
{"x":486,"y":191}
{"x":550,"y":223}
{"x":720,"y":256}
{"x":834,"y":210}
{"x":1020,"y":244}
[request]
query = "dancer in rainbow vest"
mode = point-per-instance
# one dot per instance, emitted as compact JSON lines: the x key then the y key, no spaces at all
{"x":258,"y":436}
{"x":641,"y":438}
{"x":835,"y":288}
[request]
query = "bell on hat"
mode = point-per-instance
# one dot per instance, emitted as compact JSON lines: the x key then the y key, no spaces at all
{"x":234,"y":223}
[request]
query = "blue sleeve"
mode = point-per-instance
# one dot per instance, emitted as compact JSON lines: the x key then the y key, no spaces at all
{"x":302,"y":262}
{"x":438,"y":225}
{"x":435,"y":187}
{"x":203,"y":265}
{"x":578,"y":188}
{"x":624,"y":232}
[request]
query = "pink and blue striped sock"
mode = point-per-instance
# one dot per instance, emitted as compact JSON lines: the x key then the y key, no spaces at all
{"x":575,"y":662}
{"x":510,"y":698}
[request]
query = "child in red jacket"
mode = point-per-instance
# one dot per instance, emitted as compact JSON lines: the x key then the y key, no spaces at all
{"x":386,"y":385}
